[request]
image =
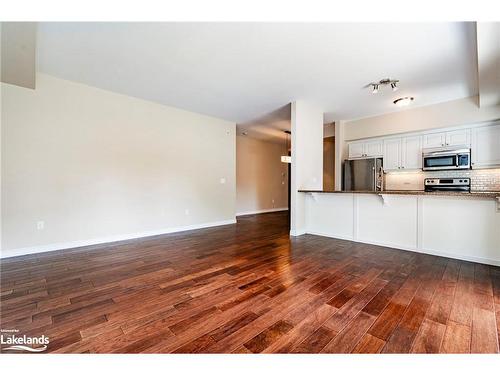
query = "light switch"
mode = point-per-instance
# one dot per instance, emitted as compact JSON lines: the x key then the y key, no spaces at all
{"x":222,"y":180}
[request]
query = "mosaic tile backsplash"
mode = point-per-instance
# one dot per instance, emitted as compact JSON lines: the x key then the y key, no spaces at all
{"x":481,"y":179}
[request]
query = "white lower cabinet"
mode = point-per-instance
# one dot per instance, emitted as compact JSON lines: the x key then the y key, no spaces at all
{"x":420,"y":223}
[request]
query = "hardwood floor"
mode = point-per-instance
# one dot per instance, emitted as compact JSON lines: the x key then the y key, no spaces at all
{"x":249,"y":288}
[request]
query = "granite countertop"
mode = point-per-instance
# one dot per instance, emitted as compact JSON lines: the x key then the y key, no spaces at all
{"x":474,"y":194}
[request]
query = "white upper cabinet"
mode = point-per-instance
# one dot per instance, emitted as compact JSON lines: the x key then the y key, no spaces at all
{"x":392,"y":154}
{"x":486,"y":147}
{"x":373,"y":148}
{"x":366,"y":149}
{"x":451,"y":138}
{"x":356,"y":150}
{"x":411,"y":152}
{"x":403,"y":153}
{"x":458,"y":138}
{"x":434,"y":140}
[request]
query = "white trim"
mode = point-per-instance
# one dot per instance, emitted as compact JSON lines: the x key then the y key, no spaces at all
{"x":262,"y":211}
{"x":470,"y":258}
{"x":297,"y":232}
{"x":96,"y":241}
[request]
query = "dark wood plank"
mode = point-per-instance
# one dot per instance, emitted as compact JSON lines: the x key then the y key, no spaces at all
{"x":232,"y":326}
{"x":315,"y":342}
{"x":484,"y":338}
{"x":456,"y":339}
{"x":429,"y":337}
{"x":369,"y":345}
{"x":266,"y":338}
{"x":348,"y":338}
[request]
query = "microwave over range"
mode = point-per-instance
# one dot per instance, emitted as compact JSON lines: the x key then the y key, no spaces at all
{"x":438,"y":159}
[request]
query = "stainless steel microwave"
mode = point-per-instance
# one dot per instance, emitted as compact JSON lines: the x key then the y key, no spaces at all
{"x":438,"y":159}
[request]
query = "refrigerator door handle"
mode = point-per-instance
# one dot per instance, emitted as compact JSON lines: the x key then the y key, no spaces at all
{"x":375,"y":182}
{"x":379,"y":177}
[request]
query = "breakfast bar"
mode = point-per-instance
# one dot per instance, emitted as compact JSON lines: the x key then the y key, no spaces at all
{"x":453,"y":224}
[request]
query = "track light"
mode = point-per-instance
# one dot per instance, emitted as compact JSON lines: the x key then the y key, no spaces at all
{"x":384,"y":82}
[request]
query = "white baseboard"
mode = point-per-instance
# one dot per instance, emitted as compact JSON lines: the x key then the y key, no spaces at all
{"x":297,"y":232}
{"x":262,"y":211}
{"x":103,"y":240}
{"x":469,"y":258}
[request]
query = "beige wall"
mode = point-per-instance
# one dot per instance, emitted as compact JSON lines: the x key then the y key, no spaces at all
{"x":261,"y":177}
{"x":453,"y":113}
{"x":95,"y":166}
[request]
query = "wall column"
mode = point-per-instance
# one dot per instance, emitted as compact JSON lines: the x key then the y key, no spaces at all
{"x":307,"y":159}
{"x":340,"y":152}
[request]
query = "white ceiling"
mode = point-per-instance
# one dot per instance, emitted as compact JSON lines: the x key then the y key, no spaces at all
{"x":245,"y":71}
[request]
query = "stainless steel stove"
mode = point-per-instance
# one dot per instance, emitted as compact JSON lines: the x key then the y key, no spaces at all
{"x":447,"y":184}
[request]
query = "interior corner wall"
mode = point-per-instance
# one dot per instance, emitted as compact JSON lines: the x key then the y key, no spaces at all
{"x":307,"y":159}
{"x":261,"y":177}
{"x":81,"y":165}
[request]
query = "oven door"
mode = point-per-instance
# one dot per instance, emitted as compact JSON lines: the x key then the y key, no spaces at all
{"x":438,"y":161}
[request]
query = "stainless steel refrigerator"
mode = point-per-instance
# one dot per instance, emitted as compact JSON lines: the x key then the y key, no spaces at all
{"x":363,"y":175}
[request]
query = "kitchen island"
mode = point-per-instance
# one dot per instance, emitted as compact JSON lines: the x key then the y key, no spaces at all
{"x":453,"y":224}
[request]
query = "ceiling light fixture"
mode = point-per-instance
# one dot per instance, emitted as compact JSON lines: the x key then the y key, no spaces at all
{"x":384,"y":82}
{"x":401,"y":102}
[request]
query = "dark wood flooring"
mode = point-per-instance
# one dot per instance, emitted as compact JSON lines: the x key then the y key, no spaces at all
{"x":249,"y":288}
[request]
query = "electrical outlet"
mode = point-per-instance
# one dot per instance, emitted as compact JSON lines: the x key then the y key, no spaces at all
{"x":186,"y":211}
{"x":40,"y":225}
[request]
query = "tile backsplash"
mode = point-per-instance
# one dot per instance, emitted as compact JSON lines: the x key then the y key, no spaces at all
{"x":481,"y":179}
